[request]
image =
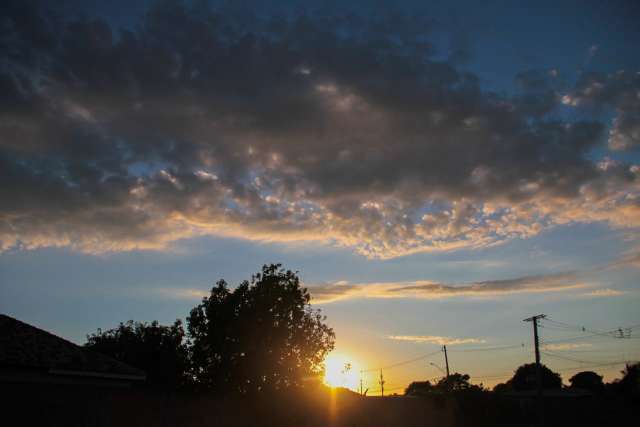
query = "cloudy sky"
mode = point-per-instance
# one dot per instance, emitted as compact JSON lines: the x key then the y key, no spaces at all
{"x":437,"y":172}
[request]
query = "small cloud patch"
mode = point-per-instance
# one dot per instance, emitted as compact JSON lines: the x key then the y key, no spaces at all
{"x":603,"y":293}
{"x":434,"y":339}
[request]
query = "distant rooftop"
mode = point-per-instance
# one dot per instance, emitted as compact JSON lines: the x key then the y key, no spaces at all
{"x":24,"y":346}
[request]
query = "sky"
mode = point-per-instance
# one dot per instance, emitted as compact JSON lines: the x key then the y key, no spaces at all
{"x":435,"y":171}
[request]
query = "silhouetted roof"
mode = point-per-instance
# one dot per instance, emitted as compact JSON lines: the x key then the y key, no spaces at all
{"x":25,"y":346}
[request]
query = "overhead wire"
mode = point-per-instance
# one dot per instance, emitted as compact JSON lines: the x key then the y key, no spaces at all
{"x":572,"y":359}
{"x":376,"y":390}
{"x":505,"y":347}
{"x":552,"y":325}
{"x":570,"y":350}
{"x":425,"y":356}
{"x":573,"y":368}
{"x":488,"y":377}
{"x":577,"y":338}
{"x":613,"y":333}
{"x":404,"y":362}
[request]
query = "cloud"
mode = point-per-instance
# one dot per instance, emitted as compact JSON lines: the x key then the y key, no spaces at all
{"x":325,"y":293}
{"x":432,"y":339}
{"x":332,"y":292}
{"x":599,"y":293}
{"x":630,"y":259}
{"x":618,"y":91}
{"x":286,"y":128}
{"x":566,"y":346}
{"x":180,"y":293}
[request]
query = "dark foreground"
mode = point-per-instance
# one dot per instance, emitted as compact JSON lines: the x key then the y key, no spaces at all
{"x":137,"y":408}
{"x":57,"y":406}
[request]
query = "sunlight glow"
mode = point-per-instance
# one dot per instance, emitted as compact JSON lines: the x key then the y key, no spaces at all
{"x":341,"y":371}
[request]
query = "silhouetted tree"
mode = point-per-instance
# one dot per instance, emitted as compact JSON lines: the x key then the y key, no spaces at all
{"x":502,"y":387}
{"x":262,"y":335}
{"x":587,"y":380}
{"x":629,"y":384}
{"x":456,"y":382}
{"x":525,"y":378}
{"x":156,"y":349}
{"x":419,"y":388}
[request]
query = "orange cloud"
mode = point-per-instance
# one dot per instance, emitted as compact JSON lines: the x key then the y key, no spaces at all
{"x":432,"y":339}
{"x":332,"y":292}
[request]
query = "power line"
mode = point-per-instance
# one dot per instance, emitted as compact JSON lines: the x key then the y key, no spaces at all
{"x":592,"y":366}
{"x":577,"y":338}
{"x":569,"y":325}
{"x":568,"y":350}
{"x":488,"y":377}
{"x":613,"y":333}
{"x":583,"y":337}
{"x":505,"y":347}
{"x":557,"y":328}
{"x":375,"y":390}
{"x":549,"y":324}
{"x":572,"y":359}
{"x":424,"y":356}
{"x":404,"y":362}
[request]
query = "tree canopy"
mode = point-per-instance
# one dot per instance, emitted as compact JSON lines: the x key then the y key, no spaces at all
{"x":419,"y":388}
{"x":587,"y":380}
{"x":156,"y":349}
{"x":455,"y":382}
{"x":261,"y":335}
{"x":629,"y":384}
{"x":525,"y":378}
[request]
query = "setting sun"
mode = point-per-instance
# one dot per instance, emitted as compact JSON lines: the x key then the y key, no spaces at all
{"x":341,"y":371}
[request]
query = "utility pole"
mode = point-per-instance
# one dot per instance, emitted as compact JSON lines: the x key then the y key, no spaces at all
{"x":361,"y":392}
{"x":446,"y":359}
{"x":381,"y":384}
{"x":536,"y":342}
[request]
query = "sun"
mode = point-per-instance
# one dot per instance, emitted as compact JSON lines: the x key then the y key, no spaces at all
{"x":341,"y":371}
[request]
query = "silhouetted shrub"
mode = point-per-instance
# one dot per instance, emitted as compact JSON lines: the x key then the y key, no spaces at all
{"x":587,"y":380}
{"x":419,"y":388}
{"x":525,"y":378}
{"x":156,"y":349}
{"x":261,"y":335}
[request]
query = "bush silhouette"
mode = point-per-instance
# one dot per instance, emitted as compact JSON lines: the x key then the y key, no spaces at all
{"x":525,"y":378}
{"x":629,"y":384}
{"x":158,"y":350}
{"x":456,"y":382}
{"x":587,"y":380}
{"x":419,"y":388}
{"x":262,"y":335}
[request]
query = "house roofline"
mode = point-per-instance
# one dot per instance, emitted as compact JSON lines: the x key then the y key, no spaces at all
{"x":97,"y":374}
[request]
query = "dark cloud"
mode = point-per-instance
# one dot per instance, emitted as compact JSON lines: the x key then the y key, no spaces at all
{"x":620,"y":91}
{"x":331,"y":292}
{"x":539,"y":91}
{"x":334,"y":127}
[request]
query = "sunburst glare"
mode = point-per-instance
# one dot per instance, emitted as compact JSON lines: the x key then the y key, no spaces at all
{"x":341,"y":371}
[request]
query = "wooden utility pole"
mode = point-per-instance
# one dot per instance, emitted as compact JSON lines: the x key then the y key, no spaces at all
{"x":381,"y":384}
{"x":361,"y":391}
{"x":536,"y":342}
{"x":446,"y":359}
